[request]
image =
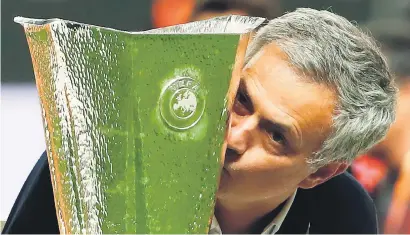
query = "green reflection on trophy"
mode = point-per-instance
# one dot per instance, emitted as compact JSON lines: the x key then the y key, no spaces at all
{"x":135,"y":122}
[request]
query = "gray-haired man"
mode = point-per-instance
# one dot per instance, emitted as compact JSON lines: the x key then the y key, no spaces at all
{"x":315,"y":93}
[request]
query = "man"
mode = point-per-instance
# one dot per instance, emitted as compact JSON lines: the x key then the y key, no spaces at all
{"x":314,"y":93}
{"x":213,"y":8}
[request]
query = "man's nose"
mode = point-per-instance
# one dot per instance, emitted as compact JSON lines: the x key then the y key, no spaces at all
{"x":241,"y":133}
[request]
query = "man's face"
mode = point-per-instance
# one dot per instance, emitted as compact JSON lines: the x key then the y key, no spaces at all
{"x":279,"y":118}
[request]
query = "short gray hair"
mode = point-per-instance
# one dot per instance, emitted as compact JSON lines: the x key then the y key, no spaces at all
{"x":331,"y":50}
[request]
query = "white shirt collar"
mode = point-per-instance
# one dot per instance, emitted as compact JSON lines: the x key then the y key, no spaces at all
{"x":272,"y":228}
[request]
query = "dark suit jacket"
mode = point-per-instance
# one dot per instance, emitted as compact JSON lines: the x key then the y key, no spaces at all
{"x":340,"y":205}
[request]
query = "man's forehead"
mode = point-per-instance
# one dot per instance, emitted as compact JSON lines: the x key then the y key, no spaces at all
{"x":271,"y":49}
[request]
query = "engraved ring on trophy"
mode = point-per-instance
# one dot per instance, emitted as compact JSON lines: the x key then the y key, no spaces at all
{"x":182,"y":103}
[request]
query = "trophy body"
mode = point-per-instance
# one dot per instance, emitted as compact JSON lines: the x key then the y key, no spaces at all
{"x":135,"y":122}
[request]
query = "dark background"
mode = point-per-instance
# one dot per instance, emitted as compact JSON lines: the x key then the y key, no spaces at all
{"x":130,"y":15}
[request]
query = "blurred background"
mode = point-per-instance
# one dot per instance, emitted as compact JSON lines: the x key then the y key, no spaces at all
{"x":384,"y":171}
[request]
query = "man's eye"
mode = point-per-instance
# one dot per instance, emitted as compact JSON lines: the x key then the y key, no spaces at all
{"x":242,"y":105}
{"x":277,"y":137}
{"x":242,"y":98}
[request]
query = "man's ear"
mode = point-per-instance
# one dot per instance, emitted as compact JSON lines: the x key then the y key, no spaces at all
{"x":323,"y":174}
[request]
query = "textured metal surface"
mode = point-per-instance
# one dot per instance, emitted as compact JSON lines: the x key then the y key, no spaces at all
{"x":134,"y":122}
{"x":224,"y":24}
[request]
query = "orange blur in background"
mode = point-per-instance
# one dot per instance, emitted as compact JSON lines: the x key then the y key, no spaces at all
{"x":171,"y":12}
